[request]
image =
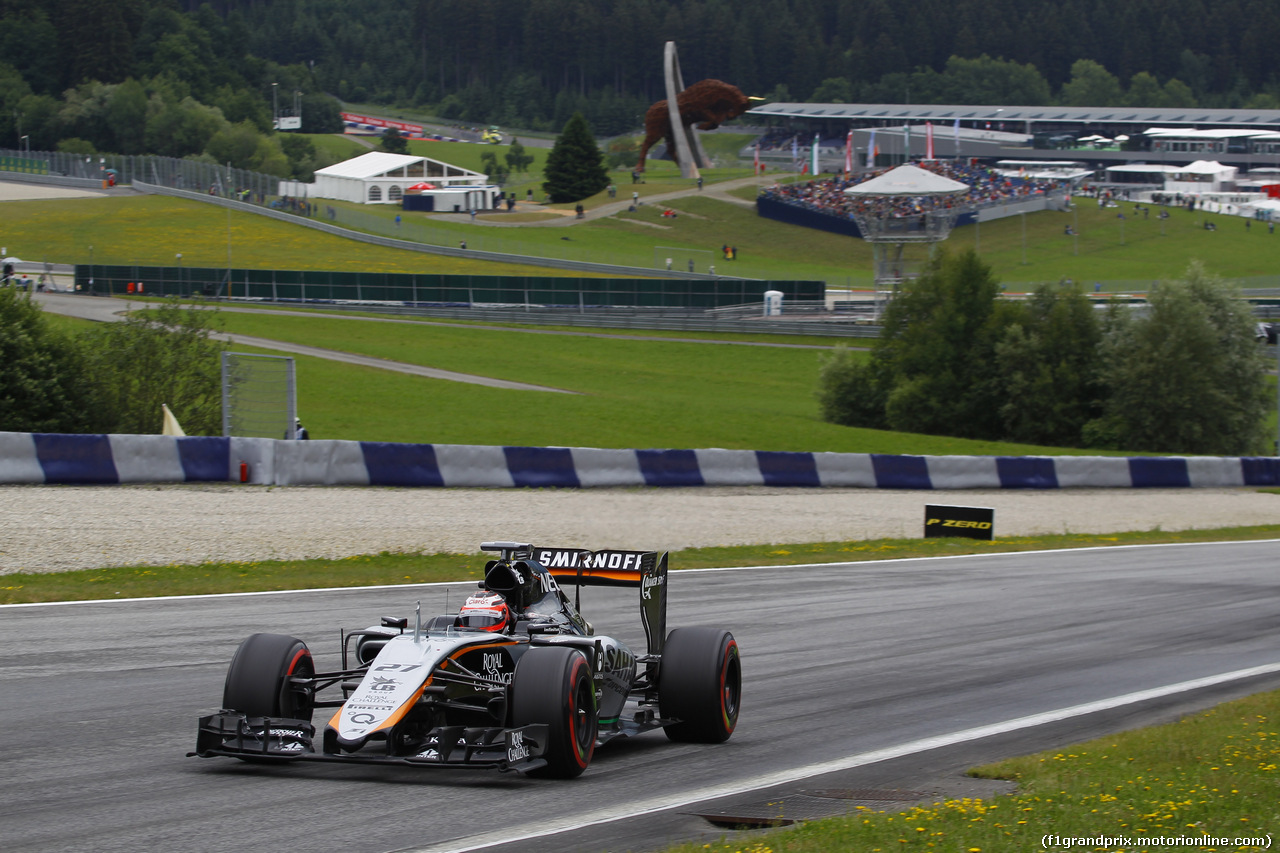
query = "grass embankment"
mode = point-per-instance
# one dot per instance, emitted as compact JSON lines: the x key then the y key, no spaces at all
{"x":1208,"y":776}
{"x":396,"y":568}
{"x":630,"y":393}
{"x":151,"y":231}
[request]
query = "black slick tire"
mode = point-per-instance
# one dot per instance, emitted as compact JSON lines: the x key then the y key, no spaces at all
{"x":700,"y":684}
{"x":258,"y":679}
{"x":554,"y":686}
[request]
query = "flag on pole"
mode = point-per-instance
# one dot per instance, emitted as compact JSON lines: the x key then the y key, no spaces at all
{"x":795,"y":152}
{"x":848,"y":152}
{"x":906,"y":143}
{"x":757,"y":164}
{"x":171,"y":426}
{"x":872,"y":151}
{"x":928,"y":140}
{"x":957,"y":130}
{"x":814,"y":156}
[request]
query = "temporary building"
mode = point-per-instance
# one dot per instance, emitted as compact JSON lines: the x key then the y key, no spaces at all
{"x":381,"y":177}
{"x":1202,"y":176}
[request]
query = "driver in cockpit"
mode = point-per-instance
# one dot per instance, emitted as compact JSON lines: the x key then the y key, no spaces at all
{"x":521,"y":591}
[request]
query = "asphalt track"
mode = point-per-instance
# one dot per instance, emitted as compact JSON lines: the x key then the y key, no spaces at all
{"x":913,"y":668}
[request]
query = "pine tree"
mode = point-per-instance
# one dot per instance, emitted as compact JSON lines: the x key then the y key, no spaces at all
{"x":575,"y":167}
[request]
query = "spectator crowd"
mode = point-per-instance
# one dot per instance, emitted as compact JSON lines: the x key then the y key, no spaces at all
{"x":986,"y":187}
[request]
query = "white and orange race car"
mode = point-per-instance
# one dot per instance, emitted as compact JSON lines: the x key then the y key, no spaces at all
{"x":517,"y":680}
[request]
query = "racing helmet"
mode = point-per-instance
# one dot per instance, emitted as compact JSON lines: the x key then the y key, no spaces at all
{"x":486,"y":611}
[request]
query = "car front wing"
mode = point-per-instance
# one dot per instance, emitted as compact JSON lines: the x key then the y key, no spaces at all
{"x":235,"y":735}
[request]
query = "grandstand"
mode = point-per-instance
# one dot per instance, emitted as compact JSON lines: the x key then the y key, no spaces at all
{"x":827,"y":204}
{"x":1242,"y":138}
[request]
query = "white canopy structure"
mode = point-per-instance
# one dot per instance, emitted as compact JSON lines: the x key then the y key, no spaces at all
{"x":1202,"y":176}
{"x":381,"y":177}
{"x":899,"y":211}
{"x":907,"y":181}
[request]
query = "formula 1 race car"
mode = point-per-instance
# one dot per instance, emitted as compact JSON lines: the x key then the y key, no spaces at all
{"x":516,"y":680}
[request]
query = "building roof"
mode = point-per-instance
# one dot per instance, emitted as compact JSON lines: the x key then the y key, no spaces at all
{"x":371,"y":165}
{"x":1151,"y":168}
{"x":1204,"y":167}
{"x":949,"y":113}
{"x":908,"y":181}
{"x":1208,"y":133}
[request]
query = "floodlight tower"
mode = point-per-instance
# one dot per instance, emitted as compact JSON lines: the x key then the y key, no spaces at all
{"x":890,"y":229}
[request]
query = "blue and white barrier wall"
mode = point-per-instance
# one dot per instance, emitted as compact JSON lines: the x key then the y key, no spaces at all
{"x":45,"y":458}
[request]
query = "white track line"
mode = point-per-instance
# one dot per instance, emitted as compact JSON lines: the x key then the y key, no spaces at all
{"x":858,"y":563}
{"x":795,"y":774}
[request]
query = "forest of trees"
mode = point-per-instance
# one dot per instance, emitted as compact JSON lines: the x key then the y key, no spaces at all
{"x":534,"y":63}
{"x":165,"y":76}
{"x":145,"y":77}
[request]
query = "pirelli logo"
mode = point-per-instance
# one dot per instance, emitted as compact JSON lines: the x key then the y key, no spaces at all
{"x":974,"y":522}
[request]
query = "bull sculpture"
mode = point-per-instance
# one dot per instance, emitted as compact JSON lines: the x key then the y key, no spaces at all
{"x":707,"y":103}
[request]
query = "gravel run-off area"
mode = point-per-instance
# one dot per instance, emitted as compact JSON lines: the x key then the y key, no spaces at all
{"x":58,"y":528}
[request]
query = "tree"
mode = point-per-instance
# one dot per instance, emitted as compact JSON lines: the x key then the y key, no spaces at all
{"x":165,"y":355}
{"x":1178,"y":94}
{"x":849,"y":390}
{"x":623,"y":152}
{"x":321,"y":114}
{"x":1144,"y":91}
{"x":395,"y":143}
{"x":518,"y":160}
{"x":575,"y":167}
{"x":495,"y":170}
{"x":938,"y":346}
{"x":244,"y":148}
{"x":1091,"y":85}
{"x":1187,"y":376}
{"x":182,"y":128}
{"x":1048,"y":366}
{"x":301,"y":151}
{"x":833,"y":90}
{"x":991,"y":81}
{"x":43,"y":387}
{"x":126,"y":116}
{"x":932,"y":369}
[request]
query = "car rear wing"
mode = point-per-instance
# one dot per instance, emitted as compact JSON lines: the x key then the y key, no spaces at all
{"x":644,"y":570}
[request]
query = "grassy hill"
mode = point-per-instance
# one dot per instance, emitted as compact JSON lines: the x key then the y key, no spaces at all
{"x":1131,"y":252}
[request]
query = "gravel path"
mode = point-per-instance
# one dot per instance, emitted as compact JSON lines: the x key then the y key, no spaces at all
{"x":57,"y":528}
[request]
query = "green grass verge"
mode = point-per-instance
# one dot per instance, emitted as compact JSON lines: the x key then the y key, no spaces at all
{"x":398,"y":568}
{"x":335,"y":147}
{"x":1210,"y":775}
{"x":151,"y":230}
{"x":630,"y":393}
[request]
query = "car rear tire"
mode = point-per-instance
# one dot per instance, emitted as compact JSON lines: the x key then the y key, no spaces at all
{"x":700,"y":684}
{"x":258,"y":679}
{"x":554,"y":686}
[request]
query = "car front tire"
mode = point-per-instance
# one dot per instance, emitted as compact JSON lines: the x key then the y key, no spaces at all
{"x":554,"y":686}
{"x":258,"y":679}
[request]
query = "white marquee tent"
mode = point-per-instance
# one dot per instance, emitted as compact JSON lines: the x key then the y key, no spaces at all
{"x":381,"y":177}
